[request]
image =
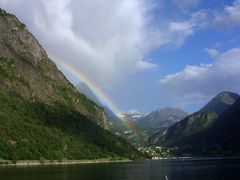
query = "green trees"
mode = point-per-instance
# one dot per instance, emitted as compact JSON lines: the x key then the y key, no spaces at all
{"x":34,"y":130}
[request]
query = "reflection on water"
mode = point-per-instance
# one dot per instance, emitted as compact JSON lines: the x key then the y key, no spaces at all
{"x":204,"y":169}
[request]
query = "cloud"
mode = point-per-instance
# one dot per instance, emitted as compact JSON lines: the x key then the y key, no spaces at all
{"x":200,"y":18}
{"x":171,"y":33}
{"x":106,"y":40}
{"x":176,"y":32}
{"x":205,"y":80}
{"x":212,"y":52}
{"x":229,"y":17}
{"x":179,"y":31}
{"x":144,"y":65}
{"x":133,"y":111}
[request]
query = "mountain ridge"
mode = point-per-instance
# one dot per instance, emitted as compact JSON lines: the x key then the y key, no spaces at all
{"x":221,"y":102}
{"x":202,"y":130}
{"x":162,"y":117}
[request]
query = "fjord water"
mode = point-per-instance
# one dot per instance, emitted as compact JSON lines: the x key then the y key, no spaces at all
{"x":196,"y":169}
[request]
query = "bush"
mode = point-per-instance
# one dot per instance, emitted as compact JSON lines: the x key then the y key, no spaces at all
{"x":42,"y":160}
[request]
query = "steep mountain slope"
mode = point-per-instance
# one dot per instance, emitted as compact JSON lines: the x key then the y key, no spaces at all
{"x":115,"y":123}
{"x":214,"y":129}
{"x":84,"y":89}
{"x":222,"y":138}
{"x":161,"y":118}
{"x":221,"y":102}
{"x":41,"y":113}
{"x":27,"y":71}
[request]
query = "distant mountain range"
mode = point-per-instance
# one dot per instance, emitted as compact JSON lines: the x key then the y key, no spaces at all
{"x":145,"y":125}
{"x":161,"y":117}
{"x":213,"y":130}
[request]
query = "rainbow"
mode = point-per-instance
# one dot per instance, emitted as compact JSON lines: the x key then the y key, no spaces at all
{"x":97,"y":90}
{"x":131,"y":126}
{"x":101,"y":95}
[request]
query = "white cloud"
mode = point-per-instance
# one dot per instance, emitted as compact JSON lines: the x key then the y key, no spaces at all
{"x":206,"y":80}
{"x":179,"y":31}
{"x":212,"y":52}
{"x":133,"y":111}
{"x":229,"y":17}
{"x":105,"y":40}
{"x":144,"y":65}
{"x":200,"y":18}
{"x":180,"y":27}
{"x":173,"y":33}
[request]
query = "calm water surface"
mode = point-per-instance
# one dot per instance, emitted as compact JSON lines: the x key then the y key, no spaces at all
{"x":204,"y":169}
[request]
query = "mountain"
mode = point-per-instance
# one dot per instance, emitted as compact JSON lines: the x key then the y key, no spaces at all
{"x":132,"y":115}
{"x":223,"y":136}
{"x":161,"y":118}
{"x":41,"y":112}
{"x":115,"y":123}
{"x":84,"y":89}
{"x":112,"y":120}
{"x":147,"y":124}
{"x":212,"y":130}
{"x":221,"y":102}
{"x":150,"y":123}
{"x":134,"y":126}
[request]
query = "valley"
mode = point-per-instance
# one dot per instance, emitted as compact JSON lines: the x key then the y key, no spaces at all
{"x":44,"y":116}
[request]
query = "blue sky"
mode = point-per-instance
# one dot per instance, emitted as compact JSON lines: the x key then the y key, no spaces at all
{"x":145,"y":54}
{"x":172,"y":58}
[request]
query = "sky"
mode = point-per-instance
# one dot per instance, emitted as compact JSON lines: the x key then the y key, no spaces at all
{"x":143,"y":54}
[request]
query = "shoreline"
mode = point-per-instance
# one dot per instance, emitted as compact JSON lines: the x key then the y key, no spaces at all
{"x":31,"y":163}
{"x":198,"y":158}
{"x":34,"y":163}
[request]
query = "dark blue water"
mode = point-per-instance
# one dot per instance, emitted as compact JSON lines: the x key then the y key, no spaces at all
{"x":196,"y":169}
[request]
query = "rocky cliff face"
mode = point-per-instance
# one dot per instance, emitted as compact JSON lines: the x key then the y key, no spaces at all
{"x":27,"y":71}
